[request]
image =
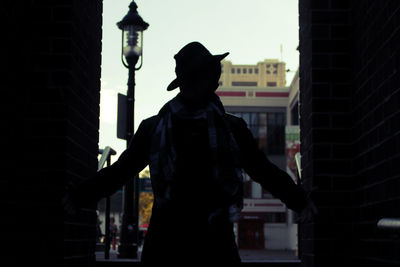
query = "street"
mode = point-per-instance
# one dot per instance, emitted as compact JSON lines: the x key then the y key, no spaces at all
{"x":246,"y":255}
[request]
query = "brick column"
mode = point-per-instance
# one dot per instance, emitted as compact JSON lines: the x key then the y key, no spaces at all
{"x":326,"y":122}
{"x":350,"y":129}
{"x":376,"y":109}
{"x":50,"y":104}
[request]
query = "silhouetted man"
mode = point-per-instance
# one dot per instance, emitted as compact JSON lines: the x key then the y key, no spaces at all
{"x":196,"y":154}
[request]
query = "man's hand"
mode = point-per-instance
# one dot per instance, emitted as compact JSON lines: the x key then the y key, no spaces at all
{"x":308,"y":213}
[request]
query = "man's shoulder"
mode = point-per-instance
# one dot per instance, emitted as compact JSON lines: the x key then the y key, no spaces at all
{"x":235,"y":121}
{"x":151,"y":119}
{"x":150,"y":122}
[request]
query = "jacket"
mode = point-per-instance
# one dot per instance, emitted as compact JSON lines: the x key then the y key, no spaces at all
{"x":183,"y":225}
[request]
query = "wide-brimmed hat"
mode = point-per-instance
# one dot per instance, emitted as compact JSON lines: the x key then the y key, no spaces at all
{"x":190,"y":59}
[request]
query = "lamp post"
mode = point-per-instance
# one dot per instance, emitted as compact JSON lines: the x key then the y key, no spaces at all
{"x":132,"y":26}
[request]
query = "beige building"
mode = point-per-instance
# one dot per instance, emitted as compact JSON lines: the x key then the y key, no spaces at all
{"x":258,"y":94}
{"x":260,"y":85}
{"x":269,"y":73}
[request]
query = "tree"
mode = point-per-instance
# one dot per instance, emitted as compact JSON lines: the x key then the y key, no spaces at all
{"x":145,"y":205}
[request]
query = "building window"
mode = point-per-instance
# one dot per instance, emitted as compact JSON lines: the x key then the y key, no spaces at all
{"x":276,"y":133}
{"x":268,"y":72}
{"x":238,"y":70}
{"x":247,"y":182}
{"x":244,"y":83}
{"x":232,"y":70}
{"x":244,"y":70}
{"x":268,"y":65}
{"x":250,"y":71}
{"x":271,"y":84}
{"x":256,"y":70}
{"x":256,"y":190}
{"x":294,"y":114}
{"x":275,"y":217}
{"x":267,"y":194}
{"x":268,"y":128}
{"x":275,"y":72}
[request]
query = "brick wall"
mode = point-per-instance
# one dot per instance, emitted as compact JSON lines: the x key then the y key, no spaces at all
{"x":349,"y":106}
{"x":51,"y":101}
{"x":376,"y":108}
{"x":325,"y":133}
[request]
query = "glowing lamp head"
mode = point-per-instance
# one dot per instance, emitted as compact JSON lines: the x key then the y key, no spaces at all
{"x":132,"y":26}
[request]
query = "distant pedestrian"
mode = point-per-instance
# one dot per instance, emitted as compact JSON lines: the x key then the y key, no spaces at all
{"x":196,"y":154}
{"x":113,"y":233}
{"x":99,"y":233}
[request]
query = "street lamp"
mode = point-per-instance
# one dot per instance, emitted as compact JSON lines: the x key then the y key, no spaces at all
{"x":132,"y":26}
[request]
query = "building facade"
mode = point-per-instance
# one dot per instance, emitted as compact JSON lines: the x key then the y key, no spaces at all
{"x":258,"y":94}
{"x":268,"y":73}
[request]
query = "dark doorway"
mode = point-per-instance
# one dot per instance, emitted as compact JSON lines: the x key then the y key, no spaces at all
{"x":251,"y":234}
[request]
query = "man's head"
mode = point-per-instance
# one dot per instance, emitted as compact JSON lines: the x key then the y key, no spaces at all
{"x":197,"y":71}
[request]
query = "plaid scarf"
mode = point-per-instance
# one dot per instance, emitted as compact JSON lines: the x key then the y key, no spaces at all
{"x":163,"y":155}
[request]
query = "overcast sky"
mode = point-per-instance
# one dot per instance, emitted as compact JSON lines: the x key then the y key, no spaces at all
{"x":250,"y":30}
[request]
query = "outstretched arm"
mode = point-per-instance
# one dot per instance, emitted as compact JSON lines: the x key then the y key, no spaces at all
{"x":261,"y":170}
{"x":108,"y":180}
